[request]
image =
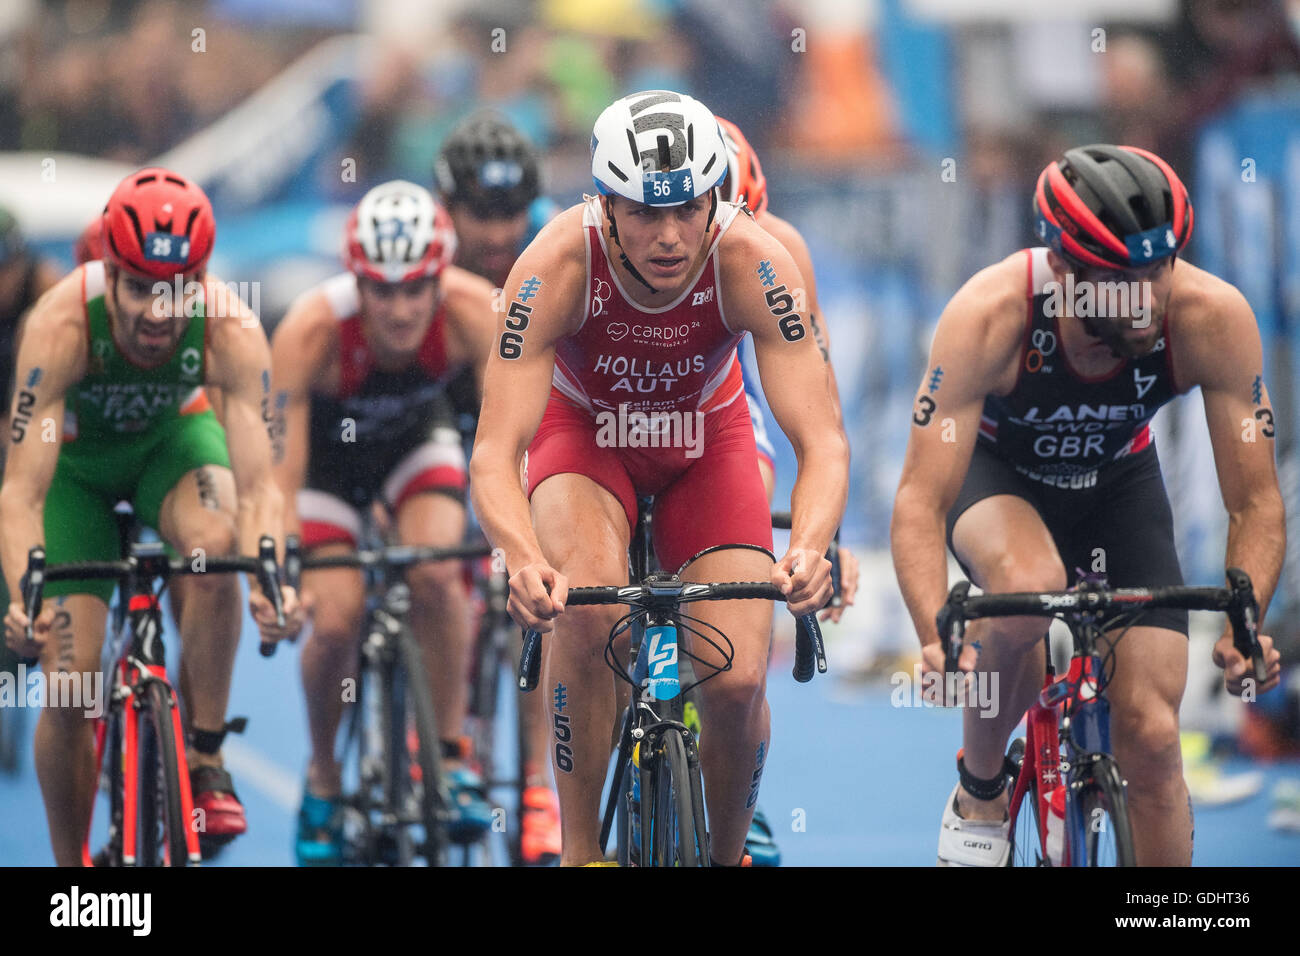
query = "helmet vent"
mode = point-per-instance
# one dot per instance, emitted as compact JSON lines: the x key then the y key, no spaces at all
{"x":135,"y":224}
{"x":617,"y":172}
{"x":189,"y":223}
{"x":709,"y":165}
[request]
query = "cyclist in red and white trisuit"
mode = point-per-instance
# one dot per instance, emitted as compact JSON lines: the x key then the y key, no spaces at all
{"x":631,"y":305}
{"x":1031,"y":438}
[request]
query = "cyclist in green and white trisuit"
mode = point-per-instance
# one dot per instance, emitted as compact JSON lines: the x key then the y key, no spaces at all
{"x":107,"y":407}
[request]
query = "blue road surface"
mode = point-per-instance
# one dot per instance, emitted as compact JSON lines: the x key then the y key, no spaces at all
{"x":851,"y":780}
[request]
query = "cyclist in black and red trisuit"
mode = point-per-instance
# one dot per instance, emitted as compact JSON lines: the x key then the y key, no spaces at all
{"x":1031,"y":434}
{"x":488,"y":177}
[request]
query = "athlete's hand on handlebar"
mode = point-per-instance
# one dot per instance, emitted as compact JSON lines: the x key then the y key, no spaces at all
{"x":295,"y":614}
{"x":804,"y":577}
{"x":848,"y":585}
{"x":1236,"y":669}
{"x":537,"y":594}
{"x":16,"y":622}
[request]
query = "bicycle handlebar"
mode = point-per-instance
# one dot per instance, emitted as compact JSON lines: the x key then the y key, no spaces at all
{"x":144,"y":562}
{"x":394,"y":556}
{"x":809,"y":653}
{"x":1237,"y":600}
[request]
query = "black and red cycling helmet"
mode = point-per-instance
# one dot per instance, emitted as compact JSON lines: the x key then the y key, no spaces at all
{"x":158,"y":223}
{"x":1112,"y":207}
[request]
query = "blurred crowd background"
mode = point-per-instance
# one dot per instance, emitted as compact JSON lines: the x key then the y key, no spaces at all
{"x":901,"y":136}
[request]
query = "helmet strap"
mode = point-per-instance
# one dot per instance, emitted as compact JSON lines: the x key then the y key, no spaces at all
{"x":627,"y":263}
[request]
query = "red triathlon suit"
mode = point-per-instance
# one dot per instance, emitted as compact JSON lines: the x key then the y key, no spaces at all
{"x":674,"y":361}
{"x":383,"y":435}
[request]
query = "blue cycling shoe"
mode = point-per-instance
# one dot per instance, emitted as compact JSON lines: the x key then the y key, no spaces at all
{"x":759,"y":844}
{"x":319,"y":841}
{"x":470,"y":815}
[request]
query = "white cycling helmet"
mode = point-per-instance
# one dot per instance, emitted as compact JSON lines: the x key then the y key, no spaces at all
{"x":398,"y":233}
{"x":657,"y":147}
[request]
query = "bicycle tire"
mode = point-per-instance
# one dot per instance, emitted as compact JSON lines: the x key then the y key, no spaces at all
{"x":674,"y":839}
{"x":419,"y":707}
{"x":1026,"y":844}
{"x":12,"y":722}
{"x":162,"y":819}
{"x":1103,"y":808}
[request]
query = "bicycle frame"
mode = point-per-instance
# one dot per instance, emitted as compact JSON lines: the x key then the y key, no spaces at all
{"x":141,"y":662}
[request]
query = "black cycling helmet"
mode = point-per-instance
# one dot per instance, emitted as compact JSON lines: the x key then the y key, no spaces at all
{"x":12,"y":243}
{"x":488,"y":165}
{"x":1112,"y":207}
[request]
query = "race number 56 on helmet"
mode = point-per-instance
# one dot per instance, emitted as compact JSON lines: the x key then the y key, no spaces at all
{"x":1112,"y":207}
{"x":658,"y":148}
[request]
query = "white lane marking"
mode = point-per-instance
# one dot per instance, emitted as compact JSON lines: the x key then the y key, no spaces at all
{"x":253,"y":768}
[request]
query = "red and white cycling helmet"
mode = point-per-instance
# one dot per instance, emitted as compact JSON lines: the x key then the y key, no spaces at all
{"x":398,"y":233}
{"x":157,"y":224}
{"x":745,"y":179}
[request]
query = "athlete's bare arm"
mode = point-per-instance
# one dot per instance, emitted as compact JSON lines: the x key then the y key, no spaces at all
{"x":977,"y":344}
{"x":304,"y":359}
{"x":1216,"y":345}
{"x":51,"y":359}
{"x":239,"y":362}
{"x":471,"y":323}
{"x":758,"y":276}
{"x":516,"y":387}
{"x":794,"y":243}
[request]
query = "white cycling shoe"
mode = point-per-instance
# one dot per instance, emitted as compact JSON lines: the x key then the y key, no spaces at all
{"x":965,"y":842}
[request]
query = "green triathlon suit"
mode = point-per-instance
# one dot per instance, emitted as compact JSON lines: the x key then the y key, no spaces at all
{"x":130,"y":433}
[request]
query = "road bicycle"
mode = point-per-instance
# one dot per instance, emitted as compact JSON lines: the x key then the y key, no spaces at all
{"x":1068,"y":803}
{"x":396,"y":807}
{"x":139,"y":740}
{"x":657,"y":791}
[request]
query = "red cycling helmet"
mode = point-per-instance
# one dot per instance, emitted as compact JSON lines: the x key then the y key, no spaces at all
{"x":398,"y":233}
{"x":90,"y":244}
{"x":745,"y":179}
{"x":157,"y":224}
{"x":1112,"y":207}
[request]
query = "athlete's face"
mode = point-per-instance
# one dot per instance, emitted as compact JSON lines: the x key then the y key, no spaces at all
{"x":662,"y":241}
{"x":1127,"y":307}
{"x":396,"y":315}
{"x":148,"y":319}
{"x":487,"y":246}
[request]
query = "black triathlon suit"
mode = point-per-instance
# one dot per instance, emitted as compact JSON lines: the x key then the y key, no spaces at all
{"x":1080,"y":451}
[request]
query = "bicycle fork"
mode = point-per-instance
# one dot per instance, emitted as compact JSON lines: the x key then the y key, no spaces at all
{"x":144,"y":663}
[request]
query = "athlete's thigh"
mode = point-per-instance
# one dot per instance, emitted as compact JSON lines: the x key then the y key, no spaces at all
{"x":747,"y":624}
{"x":582,"y":528}
{"x":337,"y":594}
{"x":76,"y":638}
{"x":1004,"y":544}
{"x":199,"y":510}
{"x":431,"y":518}
{"x":1147,"y":677}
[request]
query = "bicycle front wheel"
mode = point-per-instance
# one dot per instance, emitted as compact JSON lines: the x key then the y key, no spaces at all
{"x":1107,"y":835}
{"x":674,"y":838}
{"x":426,"y":755}
{"x":1026,"y":843}
{"x":162,"y":820}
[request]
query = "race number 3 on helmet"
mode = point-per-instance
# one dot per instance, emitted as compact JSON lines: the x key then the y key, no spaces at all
{"x":1112,"y":207}
{"x":398,"y":233}
{"x":157,"y":224}
{"x":489,"y":166}
{"x":745,"y":179}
